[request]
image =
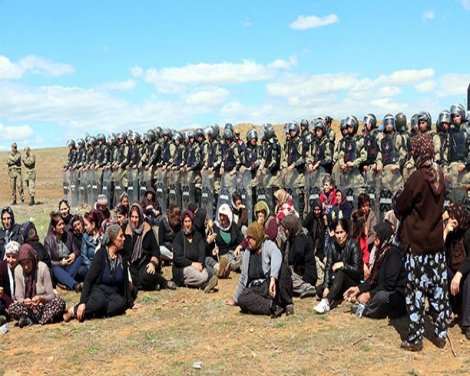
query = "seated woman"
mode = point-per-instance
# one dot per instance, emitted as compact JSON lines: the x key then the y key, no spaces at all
{"x":240,"y":212}
{"x":265,"y":287}
{"x":77,"y":229}
{"x":122,"y":215}
{"x":328,"y":194}
{"x":224,"y":244}
{"x":343,"y":269}
{"x":364,"y":203}
{"x":7,"y":279}
{"x":106,"y":291}
{"x":263,"y":217}
{"x":189,"y":257}
{"x":64,"y":210}
{"x":358,"y":233}
{"x":342,"y":209}
{"x":30,"y":236}
{"x":167,"y":230}
{"x":382,"y":294}
{"x":35,"y":302}
{"x":142,"y":250}
{"x":9,"y":230}
{"x":92,"y":237}
{"x":300,"y":257}
{"x":151,"y":207}
{"x":315,"y":223}
{"x":457,"y":245}
{"x":66,"y":264}
{"x":284,"y":205}
{"x":124,"y":200}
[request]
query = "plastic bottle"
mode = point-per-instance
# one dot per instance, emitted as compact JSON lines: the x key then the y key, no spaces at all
{"x":4,"y":329}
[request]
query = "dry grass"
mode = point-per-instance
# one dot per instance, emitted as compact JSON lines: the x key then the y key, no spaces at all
{"x":176,"y":329}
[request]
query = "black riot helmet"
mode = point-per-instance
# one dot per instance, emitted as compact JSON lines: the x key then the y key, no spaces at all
{"x":401,"y":122}
{"x":351,"y":122}
{"x":425,"y":116}
{"x":458,"y":109}
{"x":319,"y":124}
{"x":252,"y":134}
{"x":304,"y":124}
{"x":228,"y":134}
{"x":444,"y":117}
{"x":389,"y":120}
{"x":370,"y":120}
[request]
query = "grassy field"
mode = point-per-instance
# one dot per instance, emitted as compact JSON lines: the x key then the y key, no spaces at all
{"x":174,"y":330}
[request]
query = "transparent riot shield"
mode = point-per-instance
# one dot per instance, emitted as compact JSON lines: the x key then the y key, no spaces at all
{"x":164,"y":194}
{"x":192,"y":176}
{"x":372,"y":188}
{"x":352,"y":182}
{"x":82,"y":190}
{"x":208,"y":189}
{"x":228,"y":185}
{"x":96,"y":184}
{"x":313,"y":184}
{"x":106,"y":190}
{"x":90,"y":179}
{"x":117,"y":176}
{"x":159,"y":185}
{"x":133,"y":184}
{"x":264,"y":190}
{"x":144,"y":181}
{"x":174,"y":187}
{"x":66,"y":184}
{"x":74,"y":187}
{"x":291,"y":185}
{"x":244,"y":187}
{"x":391,"y":182}
{"x":185,"y":200}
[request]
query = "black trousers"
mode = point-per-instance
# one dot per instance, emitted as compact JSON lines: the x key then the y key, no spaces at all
{"x":146,"y":281}
{"x":102,"y":303}
{"x":460,"y":303}
{"x":340,"y":284}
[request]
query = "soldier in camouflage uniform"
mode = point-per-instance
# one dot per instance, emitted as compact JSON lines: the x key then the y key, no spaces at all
{"x":459,"y":163}
{"x":441,"y":140}
{"x":372,"y":138}
{"x":29,"y":162}
{"x":251,"y":161}
{"x":14,"y":173}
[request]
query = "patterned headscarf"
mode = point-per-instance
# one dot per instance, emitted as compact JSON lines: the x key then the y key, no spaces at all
{"x":460,"y":213}
{"x":256,"y":231}
{"x":423,"y":153}
{"x":110,"y":234}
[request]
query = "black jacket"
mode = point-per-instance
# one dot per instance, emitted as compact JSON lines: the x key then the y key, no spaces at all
{"x":236,"y":239}
{"x":302,"y":257}
{"x":185,"y":253}
{"x":166,"y":234}
{"x":93,"y":277}
{"x":150,"y":247}
{"x":350,"y":255}
{"x":316,"y":230}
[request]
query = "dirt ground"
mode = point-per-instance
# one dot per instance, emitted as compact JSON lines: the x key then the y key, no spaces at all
{"x":174,"y":330}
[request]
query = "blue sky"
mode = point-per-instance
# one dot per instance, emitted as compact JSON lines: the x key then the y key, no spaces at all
{"x":67,"y":68}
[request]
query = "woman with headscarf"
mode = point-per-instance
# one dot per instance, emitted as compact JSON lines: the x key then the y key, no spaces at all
{"x":106,"y":291}
{"x":457,"y":245}
{"x":167,"y":230}
{"x":30,"y":236}
{"x":315,"y":223}
{"x":152,"y":211}
{"x":382,"y":294}
{"x":264,"y":218}
{"x":359,"y":233}
{"x":342,"y":208}
{"x":76,"y":231}
{"x":7,"y":279}
{"x":142,"y":250}
{"x":35,"y":302}
{"x":64,"y":210}
{"x":420,"y":206}
{"x":9,"y":230}
{"x":299,"y":255}
{"x":265,"y":287}
{"x":284,"y":205}
{"x":189,"y":257}
{"x":343,"y":267}
{"x":240,"y":212}
{"x":225,"y":244}
{"x":66,"y":264}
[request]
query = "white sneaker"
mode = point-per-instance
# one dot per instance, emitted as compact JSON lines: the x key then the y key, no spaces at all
{"x":322,"y":307}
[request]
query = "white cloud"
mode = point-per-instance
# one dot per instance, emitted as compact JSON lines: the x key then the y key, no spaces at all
{"x":283,"y":64}
{"x":31,"y":64}
{"x":428,"y":15}
{"x":465,"y":4}
{"x":453,"y":84}
{"x":425,"y":86}
{"x":208,"y":97}
{"x":127,"y":85}
{"x":308,"y":22}
{"x":16,"y":133}
{"x":246,"y":23}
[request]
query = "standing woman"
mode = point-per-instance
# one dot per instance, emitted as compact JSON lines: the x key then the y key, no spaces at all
{"x":91,"y":237}
{"x":106,"y":290}
{"x":142,"y":250}
{"x":343,"y":269}
{"x":420,"y":206}
{"x":65,"y":263}
{"x":35,"y":302}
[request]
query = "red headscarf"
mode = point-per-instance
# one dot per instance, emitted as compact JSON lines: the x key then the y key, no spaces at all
{"x":423,"y":153}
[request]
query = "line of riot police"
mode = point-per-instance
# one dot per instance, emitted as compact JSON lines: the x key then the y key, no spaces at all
{"x":207,"y":165}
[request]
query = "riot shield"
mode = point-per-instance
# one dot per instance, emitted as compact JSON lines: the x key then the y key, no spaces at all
{"x":291,"y":186}
{"x":353,"y":183}
{"x":159,"y":185}
{"x":82,"y":193}
{"x":372,"y":188}
{"x":90,"y":178}
{"x":164,"y":194}
{"x":106,"y":190}
{"x":133,"y":185}
{"x":192,"y":176}
{"x":228,"y":185}
{"x":245,"y":189}
{"x":264,"y":190}
{"x":66,"y":184}
{"x":185,"y":189}
{"x":313,"y":183}
{"x":96,"y":184}
{"x":117,"y":176}
{"x":174,"y":185}
{"x":74,"y":187}
{"x":144,"y":182}
{"x":208,"y":189}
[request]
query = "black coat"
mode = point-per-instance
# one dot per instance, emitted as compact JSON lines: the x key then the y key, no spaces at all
{"x":236,"y":239}
{"x":350,"y":255}
{"x":15,"y":233}
{"x":316,"y":230}
{"x":5,"y":283}
{"x":95,"y":273}
{"x":150,"y":247}
{"x":302,"y":257}
{"x":185,"y":253}
{"x":166,"y":234}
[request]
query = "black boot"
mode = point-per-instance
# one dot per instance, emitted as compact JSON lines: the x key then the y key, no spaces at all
{"x":31,"y":202}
